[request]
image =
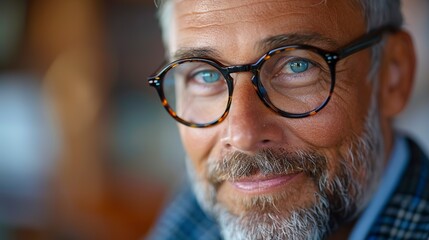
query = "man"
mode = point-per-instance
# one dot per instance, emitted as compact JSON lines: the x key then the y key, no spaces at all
{"x":285,"y":110}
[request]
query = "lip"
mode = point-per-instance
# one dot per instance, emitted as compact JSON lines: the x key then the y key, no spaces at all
{"x":259,"y":183}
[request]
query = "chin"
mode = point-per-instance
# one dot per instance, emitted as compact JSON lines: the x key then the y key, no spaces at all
{"x":274,"y":216}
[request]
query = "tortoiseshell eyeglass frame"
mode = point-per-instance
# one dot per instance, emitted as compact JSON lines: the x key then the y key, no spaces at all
{"x":331,"y":58}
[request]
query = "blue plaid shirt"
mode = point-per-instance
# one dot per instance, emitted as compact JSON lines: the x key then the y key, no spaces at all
{"x":404,"y":214}
{"x":389,"y":182}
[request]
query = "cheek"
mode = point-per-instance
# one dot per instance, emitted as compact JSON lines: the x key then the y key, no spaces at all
{"x":327,"y":129}
{"x":341,"y":120}
{"x":198,"y":144}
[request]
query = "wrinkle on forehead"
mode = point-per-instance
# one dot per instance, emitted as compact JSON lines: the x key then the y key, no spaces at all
{"x":206,"y":13}
{"x":233,"y":27}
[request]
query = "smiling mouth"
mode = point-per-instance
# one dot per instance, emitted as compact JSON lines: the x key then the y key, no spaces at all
{"x":259,"y":183}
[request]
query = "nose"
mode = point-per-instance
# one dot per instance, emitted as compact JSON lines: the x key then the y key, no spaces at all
{"x":250,"y":125}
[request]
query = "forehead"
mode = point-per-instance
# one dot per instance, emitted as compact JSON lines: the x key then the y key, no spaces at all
{"x":234,"y":27}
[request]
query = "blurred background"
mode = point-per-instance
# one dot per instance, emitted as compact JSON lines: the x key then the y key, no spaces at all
{"x":86,"y":150}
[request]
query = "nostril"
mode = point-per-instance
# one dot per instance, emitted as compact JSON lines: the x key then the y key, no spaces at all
{"x":228,"y":146}
{"x":265,"y":141}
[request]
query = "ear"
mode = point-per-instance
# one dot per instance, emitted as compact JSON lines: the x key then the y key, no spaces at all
{"x":396,"y":73}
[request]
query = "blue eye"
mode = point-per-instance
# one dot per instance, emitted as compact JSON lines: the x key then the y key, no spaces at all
{"x":297,"y":66}
{"x":207,"y":76}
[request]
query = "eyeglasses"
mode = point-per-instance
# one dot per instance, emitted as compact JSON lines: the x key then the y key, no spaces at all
{"x":294,"y":81}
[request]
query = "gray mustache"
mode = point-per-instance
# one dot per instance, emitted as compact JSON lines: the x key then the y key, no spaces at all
{"x":267,"y":162}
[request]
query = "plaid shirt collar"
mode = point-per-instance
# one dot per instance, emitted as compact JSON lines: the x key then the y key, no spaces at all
{"x":388,"y":183}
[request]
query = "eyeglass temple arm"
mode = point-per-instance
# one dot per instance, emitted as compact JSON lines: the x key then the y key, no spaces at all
{"x":372,"y":38}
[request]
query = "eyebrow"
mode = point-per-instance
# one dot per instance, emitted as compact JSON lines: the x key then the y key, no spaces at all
{"x":269,"y":43}
{"x":205,"y":52}
{"x":313,"y":39}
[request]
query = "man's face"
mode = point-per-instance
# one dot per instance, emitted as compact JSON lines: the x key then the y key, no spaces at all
{"x":257,"y":166}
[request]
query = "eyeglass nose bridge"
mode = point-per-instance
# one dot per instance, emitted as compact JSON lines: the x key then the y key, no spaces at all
{"x":253,"y":68}
{"x":240,"y":68}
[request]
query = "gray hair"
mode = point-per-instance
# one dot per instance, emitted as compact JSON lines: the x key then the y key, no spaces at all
{"x":377,"y":13}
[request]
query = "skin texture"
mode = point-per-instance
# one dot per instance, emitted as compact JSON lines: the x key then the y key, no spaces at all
{"x":234,"y":30}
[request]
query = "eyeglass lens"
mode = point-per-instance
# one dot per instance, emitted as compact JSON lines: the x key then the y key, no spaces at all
{"x":196,"y":91}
